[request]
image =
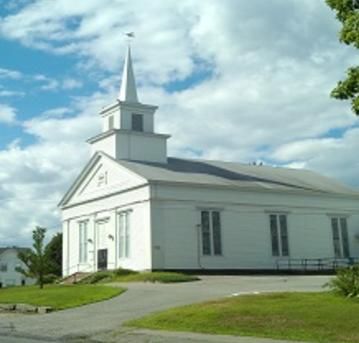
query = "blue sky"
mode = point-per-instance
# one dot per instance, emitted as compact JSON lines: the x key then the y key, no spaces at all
{"x":32,"y":100}
{"x":234,"y":80}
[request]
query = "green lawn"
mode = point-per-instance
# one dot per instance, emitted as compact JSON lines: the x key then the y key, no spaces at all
{"x":58,"y":297}
{"x":315,"y":317}
{"x":125,"y":275}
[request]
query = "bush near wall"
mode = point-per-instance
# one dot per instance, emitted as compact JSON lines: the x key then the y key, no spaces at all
{"x":346,"y":282}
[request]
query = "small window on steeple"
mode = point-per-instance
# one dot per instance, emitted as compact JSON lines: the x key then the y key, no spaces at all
{"x":137,"y":122}
{"x":110,"y":122}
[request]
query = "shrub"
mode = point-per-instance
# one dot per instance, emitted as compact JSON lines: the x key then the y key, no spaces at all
{"x":346,"y":282}
{"x":124,"y":272}
{"x":50,"y":278}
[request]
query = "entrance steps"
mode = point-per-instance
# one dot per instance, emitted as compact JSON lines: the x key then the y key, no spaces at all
{"x":74,"y":278}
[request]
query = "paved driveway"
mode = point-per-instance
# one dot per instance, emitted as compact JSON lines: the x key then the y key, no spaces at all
{"x":97,"y":320}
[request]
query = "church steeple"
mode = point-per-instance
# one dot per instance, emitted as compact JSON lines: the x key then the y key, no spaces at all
{"x":128,"y":125}
{"x":128,"y":92}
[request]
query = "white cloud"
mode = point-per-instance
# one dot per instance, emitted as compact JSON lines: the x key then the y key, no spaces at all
{"x":95,"y":29}
{"x":330,"y":156}
{"x":57,"y":112}
{"x":8,"y":93}
{"x":10,"y":74}
{"x":48,"y":83}
{"x":7,"y":114}
{"x":51,"y":84}
{"x":71,"y":84}
{"x":34,"y":177}
{"x":31,"y":185}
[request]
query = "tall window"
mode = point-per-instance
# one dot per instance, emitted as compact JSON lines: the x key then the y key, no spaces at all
{"x":340,"y":237}
{"x":137,"y":122}
{"x":279,"y":234}
{"x":211,"y":233}
{"x":3,"y":267}
{"x":83,"y":241}
{"x":124,"y":234}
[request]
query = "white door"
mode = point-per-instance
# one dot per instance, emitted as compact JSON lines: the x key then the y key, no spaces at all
{"x":102,"y":241}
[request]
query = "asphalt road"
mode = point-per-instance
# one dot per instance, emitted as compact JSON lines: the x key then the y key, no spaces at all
{"x":102,"y":321}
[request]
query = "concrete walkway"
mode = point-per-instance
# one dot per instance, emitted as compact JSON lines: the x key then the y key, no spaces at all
{"x":102,"y":321}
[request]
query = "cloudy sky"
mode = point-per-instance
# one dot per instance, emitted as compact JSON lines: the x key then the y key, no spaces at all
{"x":239,"y":80}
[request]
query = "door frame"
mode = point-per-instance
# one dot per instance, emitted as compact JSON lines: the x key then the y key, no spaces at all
{"x":98,"y":221}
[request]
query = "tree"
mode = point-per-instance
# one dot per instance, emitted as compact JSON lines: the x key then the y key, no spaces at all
{"x":34,"y":259}
{"x":347,"y":12}
{"x":53,"y":252}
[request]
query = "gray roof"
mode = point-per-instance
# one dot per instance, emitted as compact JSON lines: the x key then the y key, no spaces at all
{"x":229,"y":174}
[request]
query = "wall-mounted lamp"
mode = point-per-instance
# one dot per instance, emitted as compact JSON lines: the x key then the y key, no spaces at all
{"x":111,"y":237}
{"x":89,"y":240}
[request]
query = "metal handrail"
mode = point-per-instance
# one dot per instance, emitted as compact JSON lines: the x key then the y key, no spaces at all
{"x":331,"y":263}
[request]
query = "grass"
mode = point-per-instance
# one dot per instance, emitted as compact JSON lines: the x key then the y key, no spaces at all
{"x":59,"y":297}
{"x":162,"y":277}
{"x":315,"y":317}
{"x":125,"y":275}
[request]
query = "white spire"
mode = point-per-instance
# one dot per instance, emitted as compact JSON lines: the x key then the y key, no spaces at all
{"x":128,"y":90}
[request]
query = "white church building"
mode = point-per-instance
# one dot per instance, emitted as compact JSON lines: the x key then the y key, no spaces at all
{"x":134,"y":207}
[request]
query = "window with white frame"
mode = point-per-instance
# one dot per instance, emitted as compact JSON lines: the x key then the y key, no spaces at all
{"x":124,"y":234}
{"x":279,"y":234}
{"x":211,"y":232}
{"x":83,"y":241}
{"x":340,"y":237}
{"x":3,"y":267}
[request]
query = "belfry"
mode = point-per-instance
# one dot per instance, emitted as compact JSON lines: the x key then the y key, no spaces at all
{"x":128,"y":125}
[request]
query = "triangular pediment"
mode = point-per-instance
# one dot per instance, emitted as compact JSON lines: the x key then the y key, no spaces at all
{"x":101,"y":177}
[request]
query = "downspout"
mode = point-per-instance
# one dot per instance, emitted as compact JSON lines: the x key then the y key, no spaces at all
{"x":68,"y":246}
{"x":152,"y":192}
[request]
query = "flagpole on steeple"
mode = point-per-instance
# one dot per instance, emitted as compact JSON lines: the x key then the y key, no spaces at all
{"x":128,"y":91}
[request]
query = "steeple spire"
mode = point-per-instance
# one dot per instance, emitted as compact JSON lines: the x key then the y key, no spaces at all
{"x":128,"y":90}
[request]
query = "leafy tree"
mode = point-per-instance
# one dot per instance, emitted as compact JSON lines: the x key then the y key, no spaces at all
{"x":34,"y":259}
{"x":347,"y":12}
{"x":53,"y":253}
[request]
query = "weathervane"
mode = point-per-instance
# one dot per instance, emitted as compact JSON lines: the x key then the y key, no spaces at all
{"x":130,"y":37}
